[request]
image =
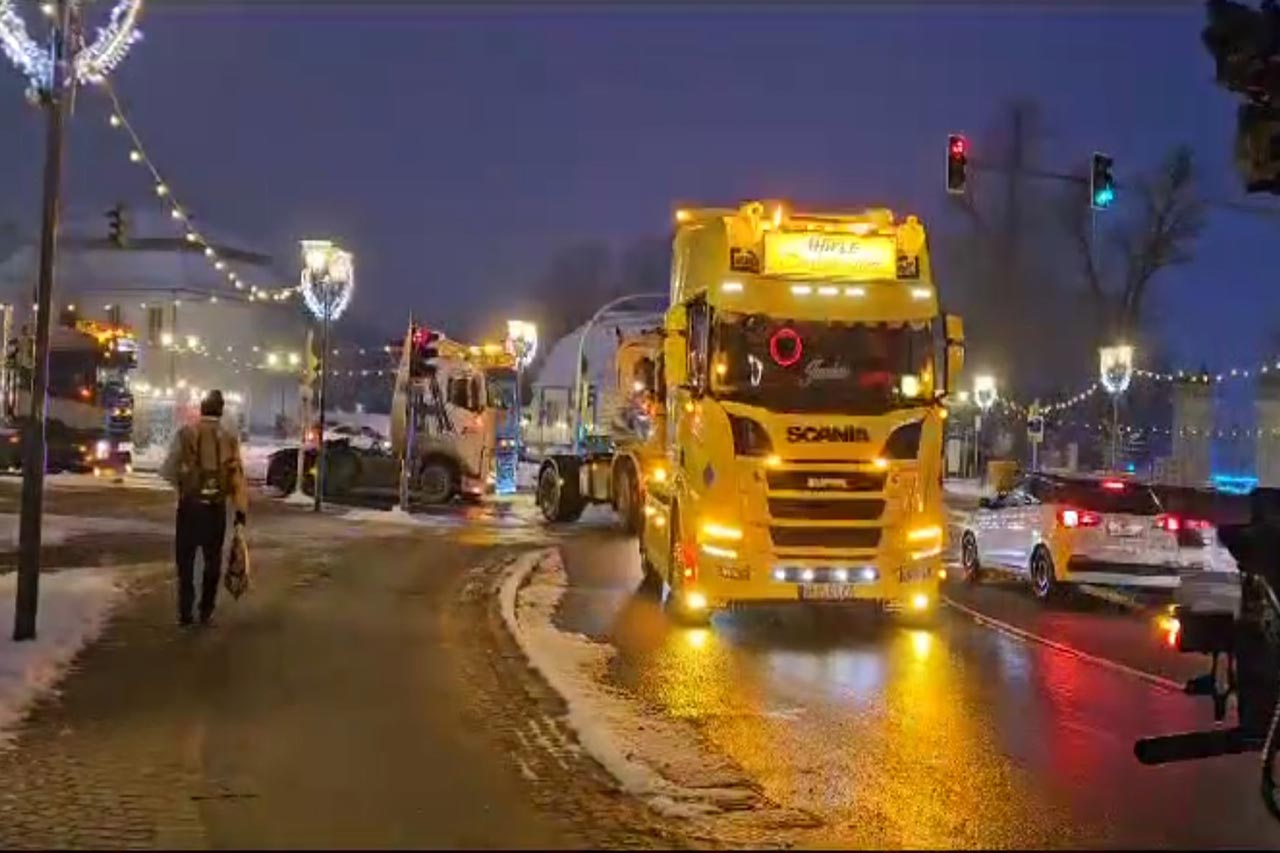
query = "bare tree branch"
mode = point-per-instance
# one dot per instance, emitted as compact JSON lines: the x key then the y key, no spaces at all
{"x":1173,"y":217}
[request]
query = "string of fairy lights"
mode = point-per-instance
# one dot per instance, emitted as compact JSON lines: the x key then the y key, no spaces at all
{"x":182,"y":215}
{"x":1189,"y":377}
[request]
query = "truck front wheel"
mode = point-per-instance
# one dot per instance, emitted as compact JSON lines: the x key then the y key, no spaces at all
{"x":437,"y":482}
{"x":559,"y":496}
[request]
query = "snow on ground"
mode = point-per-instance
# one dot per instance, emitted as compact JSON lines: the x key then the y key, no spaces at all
{"x":57,"y":529}
{"x":659,"y":759}
{"x":74,"y":606}
{"x":144,"y":481}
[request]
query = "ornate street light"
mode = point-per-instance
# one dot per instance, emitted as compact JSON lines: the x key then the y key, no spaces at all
{"x":328,"y":280}
{"x":522,"y":342}
{"x":1115,"y":372}
{"x":53,"y":71}
{"x":984,"y":397}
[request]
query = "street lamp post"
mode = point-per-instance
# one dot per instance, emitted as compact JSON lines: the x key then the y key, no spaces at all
{"x":328,"y":278}
{"x":53,"y":71}
{"x":984,"y":396}
{"x":1115,"y":368}
{"x":522,"y":340}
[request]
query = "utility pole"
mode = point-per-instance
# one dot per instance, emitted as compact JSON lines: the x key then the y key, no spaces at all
{"x":55,"y":101}
{"x":321,"y":456}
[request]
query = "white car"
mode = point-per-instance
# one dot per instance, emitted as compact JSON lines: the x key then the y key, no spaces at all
{"x":1105,"y":531}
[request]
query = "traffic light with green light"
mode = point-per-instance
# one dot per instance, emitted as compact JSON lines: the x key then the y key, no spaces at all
{"x":1102,"y":184}
{"x":957,"y":164}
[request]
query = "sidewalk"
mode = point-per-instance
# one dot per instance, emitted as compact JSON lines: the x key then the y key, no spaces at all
{"x":324,"y":710}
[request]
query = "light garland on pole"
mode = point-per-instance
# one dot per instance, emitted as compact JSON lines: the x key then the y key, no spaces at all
{"x":91,"y":62}
{"x":179,"y":213}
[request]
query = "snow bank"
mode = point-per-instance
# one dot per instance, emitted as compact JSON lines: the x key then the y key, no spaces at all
{"x":659,"y":759}
{"x":57,"y":529}
{"x":74,"y":606}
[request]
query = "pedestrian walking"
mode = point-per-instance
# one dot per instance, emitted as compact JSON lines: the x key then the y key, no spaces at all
{"x":205,"y":468}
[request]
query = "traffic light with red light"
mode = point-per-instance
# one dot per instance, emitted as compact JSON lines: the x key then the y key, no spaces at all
{"x":1102,"y":184}
{"x":957,"y":164}
{"x":422,"y":351}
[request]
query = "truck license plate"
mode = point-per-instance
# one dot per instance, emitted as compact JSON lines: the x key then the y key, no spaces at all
{"x":826,"y":591}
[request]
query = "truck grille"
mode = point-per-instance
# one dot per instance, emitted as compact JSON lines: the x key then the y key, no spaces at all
{"x":825,"y":537}
{"x":825,"y":481}
{"x":827,"y":509}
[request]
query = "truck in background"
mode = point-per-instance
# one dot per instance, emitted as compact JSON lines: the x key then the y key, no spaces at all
{"x":805,"y":362}
{"x":89,"y":427}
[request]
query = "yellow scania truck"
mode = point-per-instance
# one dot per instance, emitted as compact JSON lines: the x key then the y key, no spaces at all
{"x":805,"y":363}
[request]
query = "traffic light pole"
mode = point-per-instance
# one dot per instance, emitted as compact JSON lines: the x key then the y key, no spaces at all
{"x":33,"y":461}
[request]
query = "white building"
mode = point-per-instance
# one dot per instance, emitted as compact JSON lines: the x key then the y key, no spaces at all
{"x":194,"y":328}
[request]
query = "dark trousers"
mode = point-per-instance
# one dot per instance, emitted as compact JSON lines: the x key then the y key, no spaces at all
{"x":201,"y":527}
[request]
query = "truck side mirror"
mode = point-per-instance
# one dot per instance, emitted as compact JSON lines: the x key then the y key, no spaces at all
{"x":953,"y":362}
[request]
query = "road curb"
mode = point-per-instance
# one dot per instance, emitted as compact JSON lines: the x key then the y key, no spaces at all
{"x":1027,"y":636}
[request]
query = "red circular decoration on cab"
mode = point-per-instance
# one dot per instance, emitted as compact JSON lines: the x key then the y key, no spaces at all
{"x":789,"y":334}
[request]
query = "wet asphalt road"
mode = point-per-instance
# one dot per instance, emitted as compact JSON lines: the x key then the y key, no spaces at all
{"x":957,"y":736}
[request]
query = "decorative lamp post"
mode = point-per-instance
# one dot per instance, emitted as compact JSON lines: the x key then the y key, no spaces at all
{"x":522,"y":342}
{"x":328,"y":279}
{"x":1115,"y":372}
{"x":984,"y":397}
{"x":53,"y":70}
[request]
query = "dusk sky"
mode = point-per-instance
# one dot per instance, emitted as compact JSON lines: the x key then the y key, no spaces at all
{"x":456,"y":150}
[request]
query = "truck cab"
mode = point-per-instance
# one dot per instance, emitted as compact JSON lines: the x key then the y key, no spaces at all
{"x":441,"y":411}
{"x":806,"y":364}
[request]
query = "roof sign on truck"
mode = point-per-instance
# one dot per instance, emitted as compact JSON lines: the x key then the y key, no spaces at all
{"x":848,"y":257}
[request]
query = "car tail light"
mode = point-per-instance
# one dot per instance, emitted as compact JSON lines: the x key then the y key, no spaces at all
{"x":1078,"y":518}
{"x":1113,"y":485}
{"x":1171,"y":523}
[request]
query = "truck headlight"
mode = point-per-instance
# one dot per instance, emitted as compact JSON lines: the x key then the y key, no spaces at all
{"x":712,"y":530}
{"x":928,"y":533}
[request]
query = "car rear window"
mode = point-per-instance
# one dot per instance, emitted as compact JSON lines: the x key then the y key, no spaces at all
{"x":1131,"y":499}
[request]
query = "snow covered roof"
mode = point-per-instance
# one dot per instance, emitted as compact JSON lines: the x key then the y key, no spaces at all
{"x":558,"y":369}
{"x":156,"y":257}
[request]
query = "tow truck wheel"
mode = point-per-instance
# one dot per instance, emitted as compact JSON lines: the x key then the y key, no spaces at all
{"x":1043,"y":582}
{"x":626,"y":498}
{"x":970,"y":567}
{"x":558,"y":495}
{"x":436,"y":482}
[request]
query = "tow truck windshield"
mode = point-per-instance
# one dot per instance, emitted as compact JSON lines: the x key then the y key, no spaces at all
{"x":813,"y":366}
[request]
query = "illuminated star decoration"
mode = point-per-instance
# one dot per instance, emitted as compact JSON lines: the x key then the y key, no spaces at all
{"x":93,"y":61}
{"x":330,"y":291}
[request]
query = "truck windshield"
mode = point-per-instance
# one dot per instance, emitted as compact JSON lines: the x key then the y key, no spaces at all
{"x":815,"y":366}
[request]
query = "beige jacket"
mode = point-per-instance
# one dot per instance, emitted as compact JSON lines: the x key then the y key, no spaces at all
{"x":209,"y":439}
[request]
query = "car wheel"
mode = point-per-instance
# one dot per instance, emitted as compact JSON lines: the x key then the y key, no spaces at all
{"x":970,"y":567}
{"x":1043,"y":582}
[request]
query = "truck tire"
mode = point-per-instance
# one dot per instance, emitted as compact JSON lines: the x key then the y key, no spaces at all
{"x":559,"y":493}
{"x":626,"y":497}
{"x":437,"y":481}
{"x":674,"y":605}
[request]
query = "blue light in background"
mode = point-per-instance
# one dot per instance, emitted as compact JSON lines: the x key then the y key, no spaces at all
{"x":1235,"y":484}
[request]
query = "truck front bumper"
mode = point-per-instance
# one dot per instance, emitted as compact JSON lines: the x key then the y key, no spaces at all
{"x":895,"y":579}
